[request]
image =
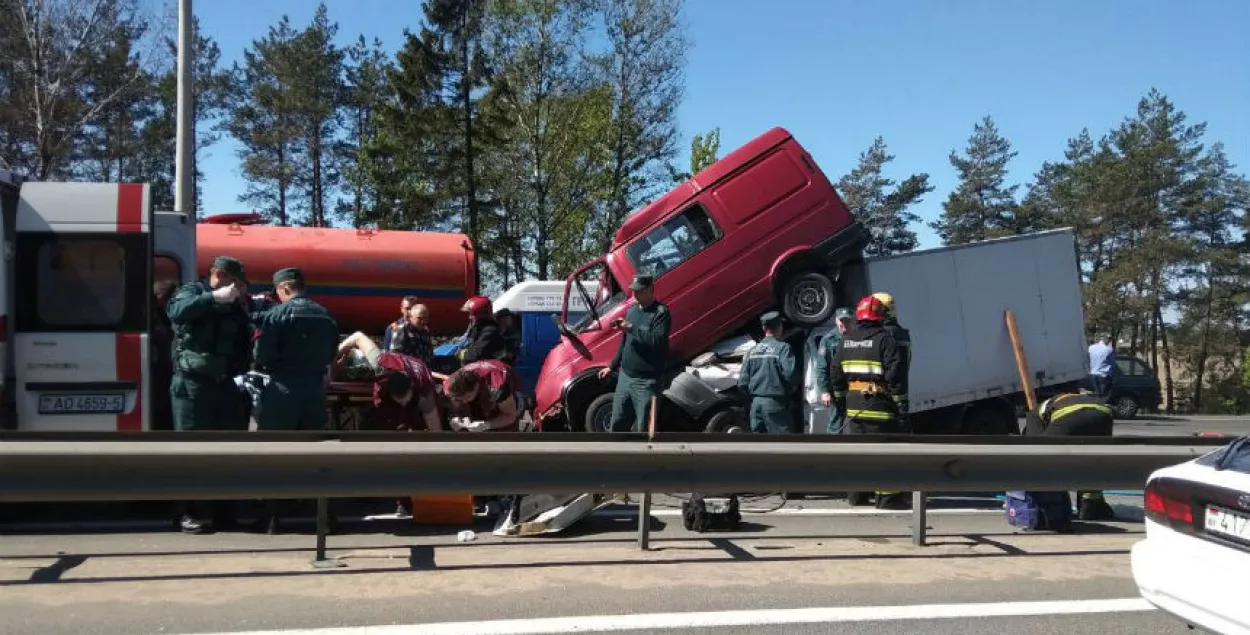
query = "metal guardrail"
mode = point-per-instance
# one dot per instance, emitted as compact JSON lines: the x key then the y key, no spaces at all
{"x":184,"y":466}
{"x":50,"y":471}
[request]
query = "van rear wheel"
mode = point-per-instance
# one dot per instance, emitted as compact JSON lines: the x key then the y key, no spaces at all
{"x":807,"y":299}
{"x":599,"y":414}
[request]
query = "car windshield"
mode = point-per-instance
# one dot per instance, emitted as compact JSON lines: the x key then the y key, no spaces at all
{"x":594,"y":292}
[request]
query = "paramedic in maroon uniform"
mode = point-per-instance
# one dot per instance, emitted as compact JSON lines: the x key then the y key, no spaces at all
{"x":484,"y":393}
{"x":403,"y":387}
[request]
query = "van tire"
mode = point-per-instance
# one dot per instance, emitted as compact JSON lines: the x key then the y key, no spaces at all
{"x":807,"y":299}
{"x":599,"y":410}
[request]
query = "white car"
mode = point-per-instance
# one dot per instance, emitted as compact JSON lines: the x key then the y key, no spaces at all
{"x":1195,"y":560}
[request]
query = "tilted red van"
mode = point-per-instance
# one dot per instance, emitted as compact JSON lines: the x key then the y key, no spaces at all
{"x":760,"y":228}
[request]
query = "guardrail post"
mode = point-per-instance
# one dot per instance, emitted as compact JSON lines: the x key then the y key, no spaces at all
{"x":919,"y":517}
{"x":323,"y":528}
{"x":644,"y":522}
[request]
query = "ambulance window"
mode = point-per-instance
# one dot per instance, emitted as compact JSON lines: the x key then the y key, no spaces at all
{"x":81,"y":282}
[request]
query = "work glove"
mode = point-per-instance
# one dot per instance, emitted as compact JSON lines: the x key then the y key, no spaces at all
{"x":458,"y":423}
{"x":476,"y":426}
{"x":226,"y":294}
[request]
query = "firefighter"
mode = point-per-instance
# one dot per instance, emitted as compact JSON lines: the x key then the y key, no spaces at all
{"x":767,"y":377}
{"x":483,"y":394}
{"x":211,"y":345}
{"x":483,"y":339}
{"x":842,"y":319}
{"x":902,"y":336}
{"x":297,"y":343}
{"x":1080,"y":414}
{"x":866,"y":381}
{"x":641,"y":359}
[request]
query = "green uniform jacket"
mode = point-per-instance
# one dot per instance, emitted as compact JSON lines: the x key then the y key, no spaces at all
{"x":211,"y":341}
{"x":644,"y":351}
{"x":297,"y":337}
{"x":768,"y":370}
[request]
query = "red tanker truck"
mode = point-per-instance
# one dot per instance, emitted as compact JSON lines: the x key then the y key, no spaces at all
{"x":359,"y":275}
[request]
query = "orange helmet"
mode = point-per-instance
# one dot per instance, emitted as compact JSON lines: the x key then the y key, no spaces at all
{"x":478,"y":306}
{"x":870,"y":309}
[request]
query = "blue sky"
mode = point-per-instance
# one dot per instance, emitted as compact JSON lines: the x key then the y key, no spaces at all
{"x":837,"y":73}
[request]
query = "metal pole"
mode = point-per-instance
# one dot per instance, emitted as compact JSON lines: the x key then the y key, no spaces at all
{"x":184,"y":144}
{"x":323,"y":528}
{"x":644,"y":508}
{"x":919,"y":517}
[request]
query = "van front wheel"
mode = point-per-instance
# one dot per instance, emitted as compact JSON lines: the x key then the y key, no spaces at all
{"x":807,"y":299}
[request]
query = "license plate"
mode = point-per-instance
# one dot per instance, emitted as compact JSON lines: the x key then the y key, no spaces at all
{"x":1225,"y":522}
{"x":110,"y":403}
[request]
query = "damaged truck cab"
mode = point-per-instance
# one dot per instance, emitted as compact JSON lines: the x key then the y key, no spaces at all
{"x":760,"y":228}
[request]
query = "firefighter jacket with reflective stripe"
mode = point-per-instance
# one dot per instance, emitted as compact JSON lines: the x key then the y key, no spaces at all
{"x":902,"y":339}
{"x":867,"y":371}
{"x":1076,"y":415}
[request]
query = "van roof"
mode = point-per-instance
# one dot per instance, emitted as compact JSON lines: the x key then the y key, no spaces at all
{"x":652,"y":213}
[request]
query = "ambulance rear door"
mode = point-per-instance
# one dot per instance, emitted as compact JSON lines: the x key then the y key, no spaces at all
{"x":84,"y":257}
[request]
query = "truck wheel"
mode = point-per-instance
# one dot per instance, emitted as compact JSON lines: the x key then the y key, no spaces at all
{"x":989,"y":420}
{"x":1125,"y":407}
{"x":598,"y":417}
{"x":730,"y":420}
{"x":808,"y":299}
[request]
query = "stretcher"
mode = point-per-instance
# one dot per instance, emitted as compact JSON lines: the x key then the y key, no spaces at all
{"x":348,"y":404}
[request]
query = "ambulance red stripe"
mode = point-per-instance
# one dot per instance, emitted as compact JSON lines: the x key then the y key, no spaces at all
{"x":128,"y":348}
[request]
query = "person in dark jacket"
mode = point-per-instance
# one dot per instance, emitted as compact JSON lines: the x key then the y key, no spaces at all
{"x":842,"y":319}
{"x":511,"y":331}
{"x":404,"y":305}
{"x":297,"y":343}
{"x":1080,"y":414}
{"x":413,"y":338}
{"x":902,"y":336}
{"x":211,"y":345}
{"x":484,"y":340}
{"x":866,"y":380}
{"x":767,"y":377}
{"x":642,"y":358}
{"x":162,"y":356}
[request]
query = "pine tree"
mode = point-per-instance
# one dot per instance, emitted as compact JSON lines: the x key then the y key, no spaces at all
{"x":880,"y":204}
{"x":367,"y":90}
{"x":645,"y":65}
{"x":982,"y":205}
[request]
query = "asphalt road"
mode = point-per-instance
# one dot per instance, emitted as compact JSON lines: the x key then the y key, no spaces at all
{"x":149,"y":583}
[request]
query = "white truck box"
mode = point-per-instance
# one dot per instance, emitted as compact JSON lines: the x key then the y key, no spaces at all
{"x":954,"y":300}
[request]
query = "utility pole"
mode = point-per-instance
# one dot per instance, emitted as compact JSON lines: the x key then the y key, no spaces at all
{"x":184,"y":145}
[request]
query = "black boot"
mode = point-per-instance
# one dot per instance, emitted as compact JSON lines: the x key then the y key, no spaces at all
{"x":857,"y":499}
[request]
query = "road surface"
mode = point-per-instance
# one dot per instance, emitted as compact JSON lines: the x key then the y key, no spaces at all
{"x":795,"y":572}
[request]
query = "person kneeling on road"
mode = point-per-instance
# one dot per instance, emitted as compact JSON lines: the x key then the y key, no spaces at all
{"x":1082,"y":414}
{"x":403,"y":387}
{"x":767,"y":377}
{"x":866,"y":379}
{"x":483,"y":397}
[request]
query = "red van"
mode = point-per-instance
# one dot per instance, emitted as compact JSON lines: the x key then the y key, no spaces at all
{"x":760,"y":228}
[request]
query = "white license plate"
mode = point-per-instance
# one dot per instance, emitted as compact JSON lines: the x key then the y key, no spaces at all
{"x":1224,"y":522}
{"x":108,"y":403}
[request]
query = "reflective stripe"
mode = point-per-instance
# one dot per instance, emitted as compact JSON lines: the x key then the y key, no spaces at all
{"x":870,"y":414}
{"x":1067,"y":410}
{"x":862,"y":367}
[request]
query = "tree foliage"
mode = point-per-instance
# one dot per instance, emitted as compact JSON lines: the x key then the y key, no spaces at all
{"x":880,"y":203}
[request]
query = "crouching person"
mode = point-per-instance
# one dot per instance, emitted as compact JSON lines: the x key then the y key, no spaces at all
{"x":483,"y":397}
{"x":1081,"y":414}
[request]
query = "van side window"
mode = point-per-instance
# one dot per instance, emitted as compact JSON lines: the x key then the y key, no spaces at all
{"x":674,"y":242}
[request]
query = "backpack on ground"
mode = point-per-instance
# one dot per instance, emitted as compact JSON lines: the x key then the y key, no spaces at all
{"x":1039,"y":511}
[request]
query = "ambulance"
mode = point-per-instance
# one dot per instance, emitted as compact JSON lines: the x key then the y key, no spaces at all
{"x":76,"y":291}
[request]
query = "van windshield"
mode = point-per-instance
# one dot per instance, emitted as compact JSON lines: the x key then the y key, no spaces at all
{"x":594,"y":291}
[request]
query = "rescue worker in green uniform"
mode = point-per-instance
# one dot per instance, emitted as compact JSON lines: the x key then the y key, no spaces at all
{"x":866,"y":381}
{"x":641,"y":360}
{"x":298,"y":342}
{"x":1081,"y":414}
{"x":211,"y":344}
{"x":842,"y":319}
{"x":767,"y":376}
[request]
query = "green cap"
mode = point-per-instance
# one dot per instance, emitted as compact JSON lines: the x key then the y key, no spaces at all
{"x":289,"y":274}
{"x":641,"y":282}
{"x":772,"y":318}
{"x":843,"y":314}
{"x":229,"y":266}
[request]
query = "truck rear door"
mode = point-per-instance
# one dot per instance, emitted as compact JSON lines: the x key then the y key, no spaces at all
{"x":84,"y":261}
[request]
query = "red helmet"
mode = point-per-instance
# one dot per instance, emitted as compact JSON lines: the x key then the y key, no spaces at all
{"x":478,"y":306}
{"x":870,"y":309}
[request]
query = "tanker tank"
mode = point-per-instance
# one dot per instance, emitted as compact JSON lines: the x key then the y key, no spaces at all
{"x":358,"y":275}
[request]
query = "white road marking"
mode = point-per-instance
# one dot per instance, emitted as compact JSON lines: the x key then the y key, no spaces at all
{"x":712,"y":619}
